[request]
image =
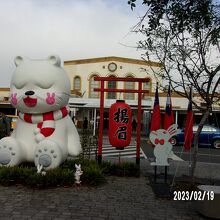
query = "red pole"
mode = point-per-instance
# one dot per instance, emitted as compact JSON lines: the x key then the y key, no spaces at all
{"x":138,"y":138}
{"x":101,"y":123}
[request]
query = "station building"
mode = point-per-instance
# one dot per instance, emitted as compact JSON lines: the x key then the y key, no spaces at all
{"x":84,"y":102}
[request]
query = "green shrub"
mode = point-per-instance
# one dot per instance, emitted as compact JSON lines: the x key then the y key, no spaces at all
{"x":70,"y":164}
{"x":93,"y":173}
{"x":53,"y":178}
{"x":121,"y":169}
{"x":35,"y":180}
{"x":13,"y":175}
{"x":107,"y":168}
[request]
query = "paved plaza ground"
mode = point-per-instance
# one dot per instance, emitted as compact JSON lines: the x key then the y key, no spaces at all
{"x":121,"y":198}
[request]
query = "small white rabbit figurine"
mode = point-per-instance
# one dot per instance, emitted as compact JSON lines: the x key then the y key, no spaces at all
{"x":78,"y":173}
{"x":39,"y":170}
{"x":163,"y":147}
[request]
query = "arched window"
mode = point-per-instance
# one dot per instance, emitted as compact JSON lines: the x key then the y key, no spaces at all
{"x":93,"y":84}
{"x":129,"y":85}
{"x":77,"y":83}
{"x":111,"y":85}
{"x":147,"y":86}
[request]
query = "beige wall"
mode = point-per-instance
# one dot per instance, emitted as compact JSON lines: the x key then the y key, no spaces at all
{"x":100,"y":67}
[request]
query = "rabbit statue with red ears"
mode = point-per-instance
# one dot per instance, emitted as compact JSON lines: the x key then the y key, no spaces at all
{"x":163,"y":147}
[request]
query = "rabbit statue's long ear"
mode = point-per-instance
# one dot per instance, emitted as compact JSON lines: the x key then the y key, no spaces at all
{"x":39,"y":167}
{"x":173,"y":130}
{"x":76,"y":166}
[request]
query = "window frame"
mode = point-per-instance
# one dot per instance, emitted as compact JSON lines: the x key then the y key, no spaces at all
{"x":133,"y":87}
{"x":116,"y":86}
{"x":98,"y":86}
{"x":80,"y":83}
{"x":146,"y":95}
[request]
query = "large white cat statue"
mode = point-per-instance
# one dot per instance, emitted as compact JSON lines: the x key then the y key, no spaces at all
{"x":44,"y":134}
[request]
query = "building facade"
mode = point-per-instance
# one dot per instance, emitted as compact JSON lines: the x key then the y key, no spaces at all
{"x":84,"y":101}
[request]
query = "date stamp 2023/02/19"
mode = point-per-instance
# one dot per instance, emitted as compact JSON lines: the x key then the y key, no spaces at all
{"x":193,"y":195}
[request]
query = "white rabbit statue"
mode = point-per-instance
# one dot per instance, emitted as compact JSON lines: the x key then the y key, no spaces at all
{"x":39,"y":170}
{"x":163,"y":147}
{"x":78,"y":173}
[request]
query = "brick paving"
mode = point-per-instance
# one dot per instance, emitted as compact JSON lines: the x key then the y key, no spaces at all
{"x":121,"y":198}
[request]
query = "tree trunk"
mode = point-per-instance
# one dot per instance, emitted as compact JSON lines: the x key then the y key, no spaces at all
{"x":196,"y":143}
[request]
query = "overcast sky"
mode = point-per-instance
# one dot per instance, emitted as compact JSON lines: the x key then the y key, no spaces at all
{"x":72,"y":29}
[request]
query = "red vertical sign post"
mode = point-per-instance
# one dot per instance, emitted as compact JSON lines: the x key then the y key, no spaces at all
{"x":138,"y":137}
{"x":139,"y":91}
{"x":101,"y":120}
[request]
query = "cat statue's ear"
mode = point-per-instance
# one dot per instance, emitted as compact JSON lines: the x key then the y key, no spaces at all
{"x":18,"y":60}
{"x":54,"y":60}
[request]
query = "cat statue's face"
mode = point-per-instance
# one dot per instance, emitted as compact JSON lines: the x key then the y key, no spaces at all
{"x":39,"y":86}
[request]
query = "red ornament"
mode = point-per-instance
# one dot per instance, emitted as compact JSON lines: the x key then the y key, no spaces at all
{"x":120,"y":117}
